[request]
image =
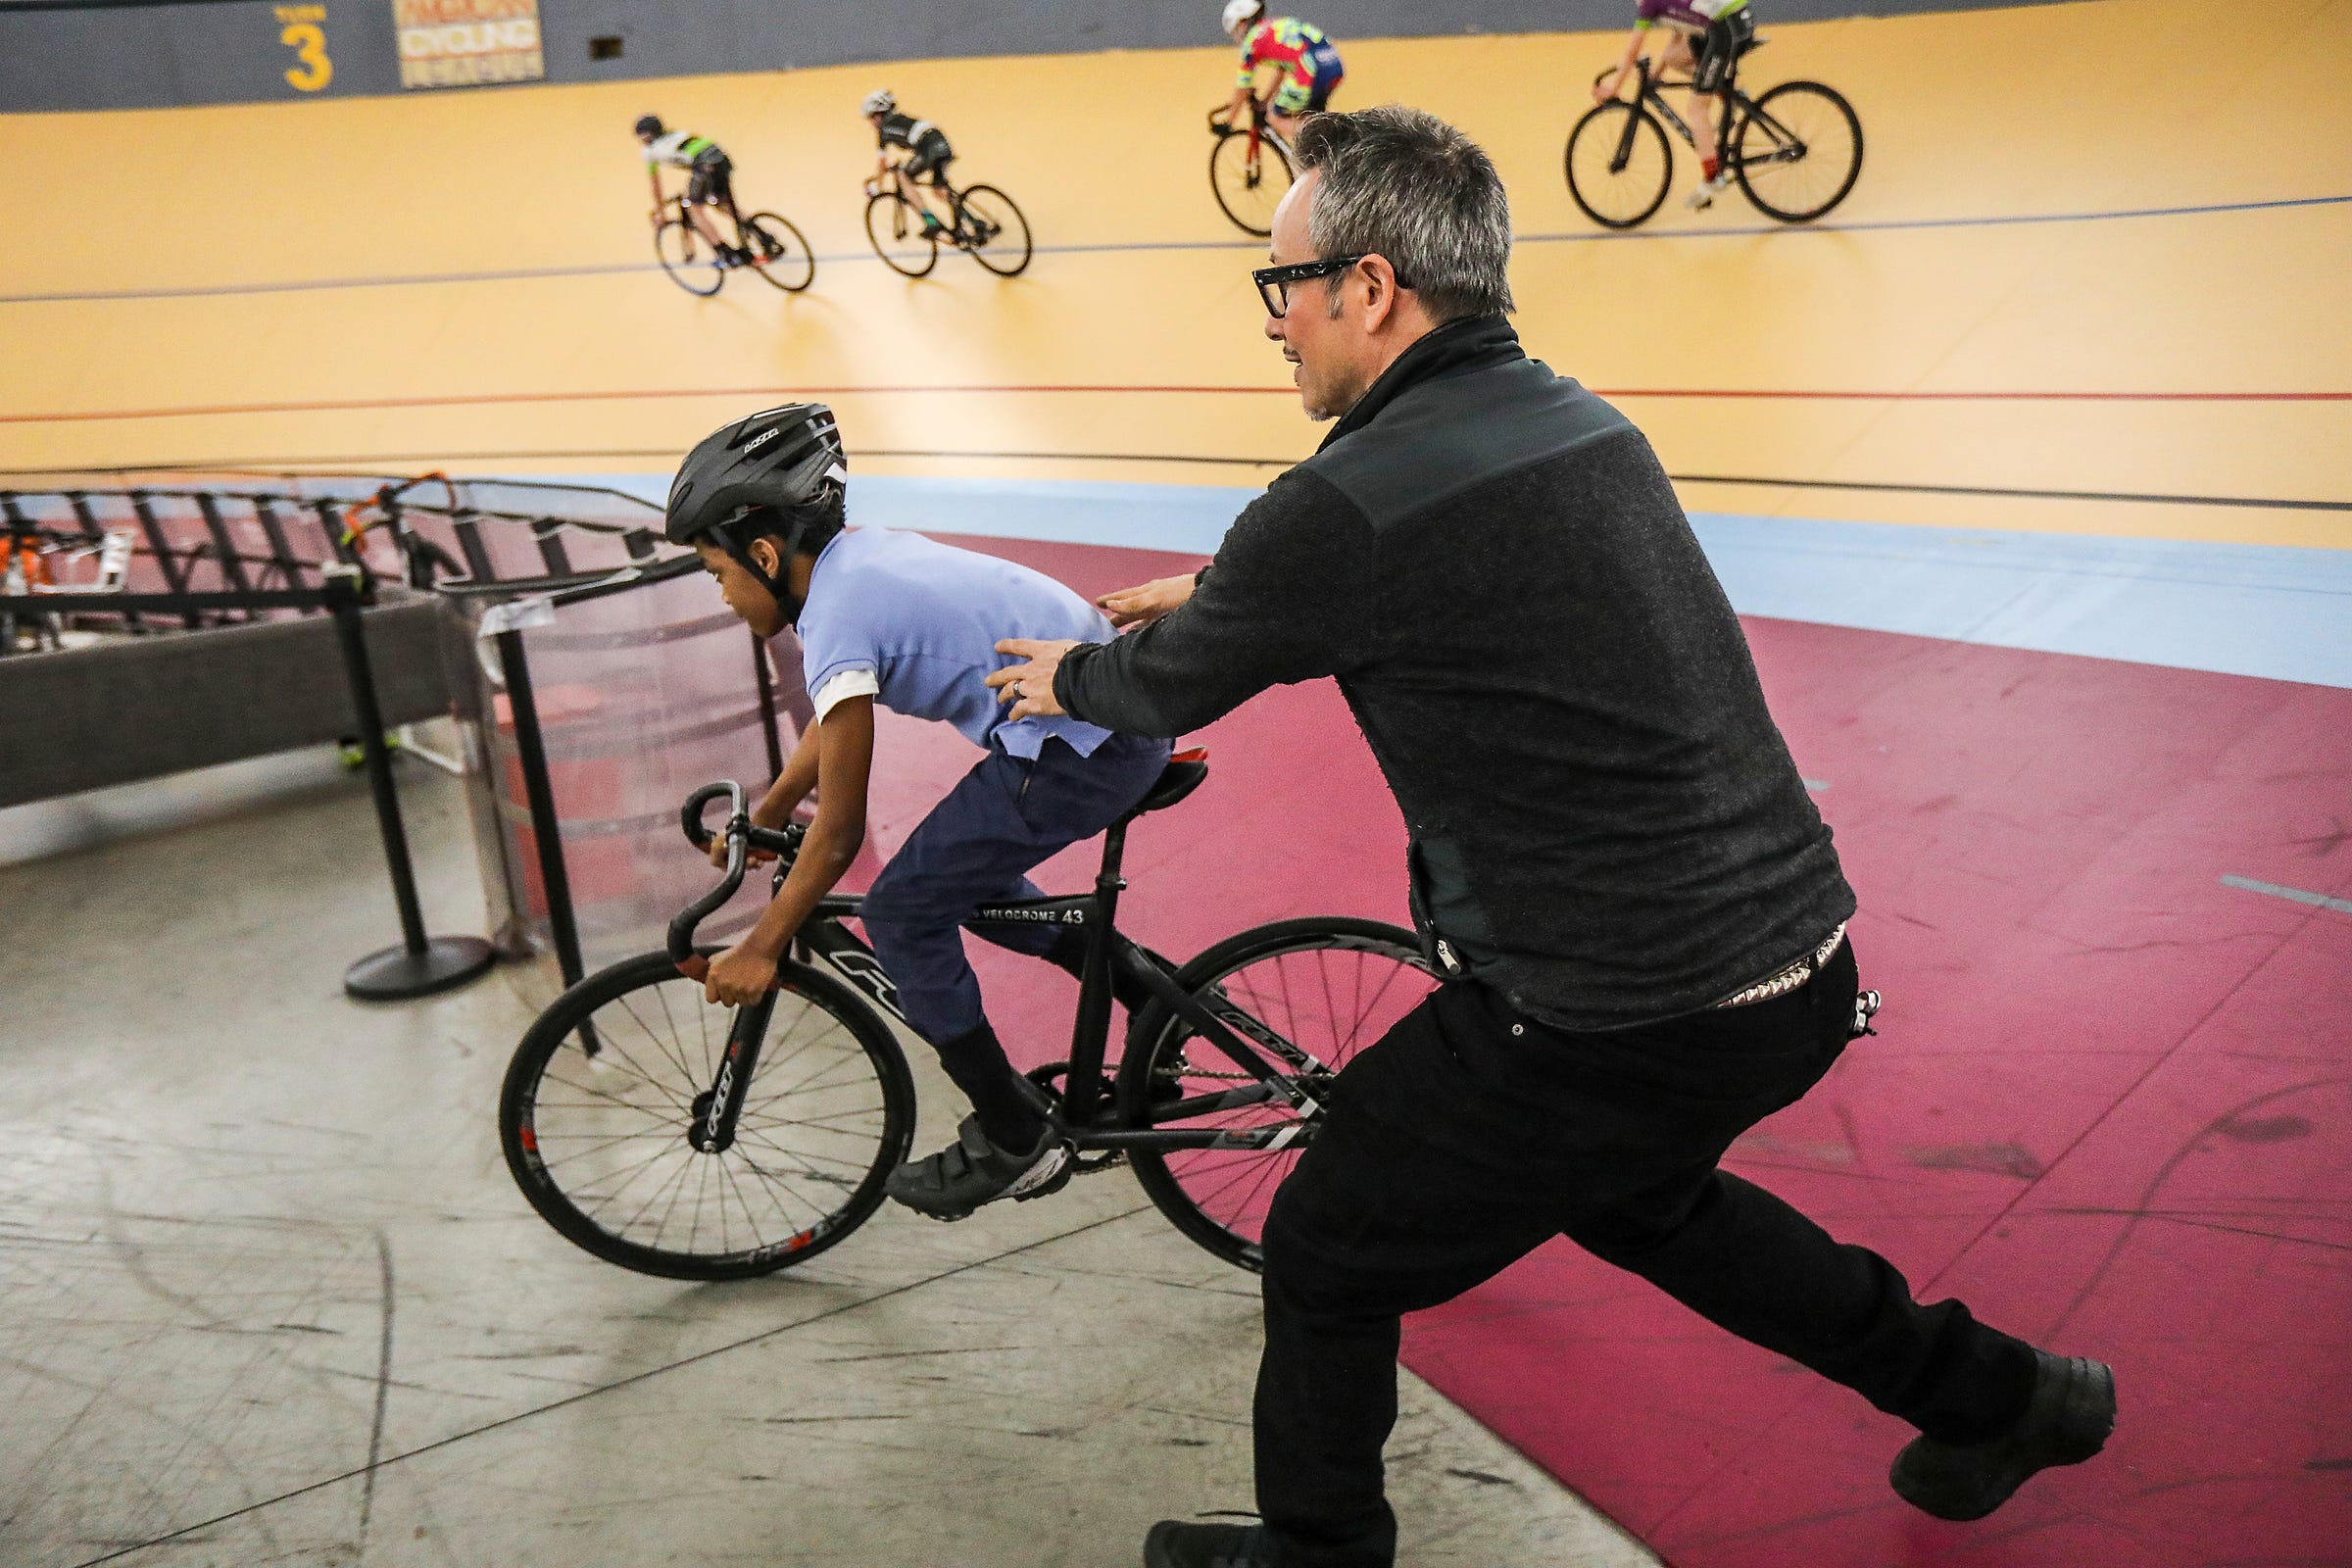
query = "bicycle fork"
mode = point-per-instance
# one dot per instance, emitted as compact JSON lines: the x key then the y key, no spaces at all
{"x":717,"y":1109}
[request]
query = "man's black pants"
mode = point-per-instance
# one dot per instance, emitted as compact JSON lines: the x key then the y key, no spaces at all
{"x":1469,"y":1135}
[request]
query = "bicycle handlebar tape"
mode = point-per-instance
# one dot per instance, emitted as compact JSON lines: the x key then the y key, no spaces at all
{"x":681,"y":929}
{"x":690,"y":816}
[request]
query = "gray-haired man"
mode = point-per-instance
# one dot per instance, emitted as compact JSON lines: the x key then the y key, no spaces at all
{"x":1615,"y":866}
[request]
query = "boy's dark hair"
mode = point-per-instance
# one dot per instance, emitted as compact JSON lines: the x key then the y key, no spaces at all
{"x":819,"y":521}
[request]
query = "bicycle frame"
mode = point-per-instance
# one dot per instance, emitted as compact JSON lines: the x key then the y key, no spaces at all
{"x":1077,"y":1116}
{"x":1740,"y":108}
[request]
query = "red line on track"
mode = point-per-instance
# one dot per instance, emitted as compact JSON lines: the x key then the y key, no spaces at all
{"x":1761,"y":394}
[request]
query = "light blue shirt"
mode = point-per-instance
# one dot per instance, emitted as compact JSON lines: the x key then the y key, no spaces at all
{"x":914,"y":625}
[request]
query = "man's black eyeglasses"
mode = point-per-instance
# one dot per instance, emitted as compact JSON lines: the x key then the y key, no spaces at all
{"x":1274,"y":282}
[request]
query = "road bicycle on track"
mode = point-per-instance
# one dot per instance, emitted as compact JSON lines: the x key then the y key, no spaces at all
{"x":1795,"y":151}
{"x":988,"y":227}
{"x":1248,"y":169}
{"x":679,"y":1138}
{"x":769,"y":244}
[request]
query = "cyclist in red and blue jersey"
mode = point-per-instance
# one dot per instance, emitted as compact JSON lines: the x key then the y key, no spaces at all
{"x":1707,"y":37}
{"x":1306,"y":64}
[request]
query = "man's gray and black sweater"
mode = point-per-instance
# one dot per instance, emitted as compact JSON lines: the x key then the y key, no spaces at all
{"x":1606,"y":825}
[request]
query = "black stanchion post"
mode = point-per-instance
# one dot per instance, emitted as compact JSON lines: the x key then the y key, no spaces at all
{"x":530,"y":750}
{"x":421,"y":965}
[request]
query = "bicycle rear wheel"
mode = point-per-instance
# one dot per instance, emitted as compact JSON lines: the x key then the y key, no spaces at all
{"x":780,"y":253}
{"x":690,"y":263}
{"x":1798,"y":151}
{"x":1619,"y":164}
{"x":993,"y":229}
{"x":1248,"y":184}
{"x":1329,"y":986}
{"x":600,"y":1144}
{"x":899,"y":236}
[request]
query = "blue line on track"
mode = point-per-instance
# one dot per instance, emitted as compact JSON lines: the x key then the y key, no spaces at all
{"x":529,"y":275}
{"x":2278,"y":612}
{"x":2318,"y":900}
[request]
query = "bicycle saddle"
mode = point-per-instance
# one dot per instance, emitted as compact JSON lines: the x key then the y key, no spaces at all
{"x":1182,"y":776}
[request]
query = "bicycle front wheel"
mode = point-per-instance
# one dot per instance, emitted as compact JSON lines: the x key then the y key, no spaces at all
{"x":899,"y":236}
{"x":691,"y":263}
{"x":601,"y":1142}
{"x":1798,"y":151}
{"x":1248,"y":182}
{"x":780,"y":253}
{"x":1619,"y":164}
{"x":1330,"y":987}
{"x":993,"y":229}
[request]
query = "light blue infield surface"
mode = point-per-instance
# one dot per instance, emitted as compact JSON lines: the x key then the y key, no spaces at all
{"x":2276,"y":612}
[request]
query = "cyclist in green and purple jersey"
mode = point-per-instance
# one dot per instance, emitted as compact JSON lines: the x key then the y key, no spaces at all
{"x":710,"y":182}
{"x":1306,"y":64}
{"x":1707,"y":37}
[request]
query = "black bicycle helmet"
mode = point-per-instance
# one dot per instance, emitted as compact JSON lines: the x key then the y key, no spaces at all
{"x":649,"y":124}
{"x":787,"y":462}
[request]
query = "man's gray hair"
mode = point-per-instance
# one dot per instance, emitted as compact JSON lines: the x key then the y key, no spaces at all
{"x":1402,"y":183}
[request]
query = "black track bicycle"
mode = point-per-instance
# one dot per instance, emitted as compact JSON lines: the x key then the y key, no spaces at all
{"x":1795,"y":151}
{"x":988,"y":227}
{"x":677,"y":1138}
{"x":766,"y":243}
{"x":1249,"y":168}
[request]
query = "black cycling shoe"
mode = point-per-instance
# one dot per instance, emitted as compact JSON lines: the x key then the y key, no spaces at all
{"x":1171,"y":1545}
{"x":972,"y":1171}
{"x":2066,"y":1422}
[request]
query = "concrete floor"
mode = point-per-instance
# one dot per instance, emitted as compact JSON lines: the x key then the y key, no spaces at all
{"x":267,"y":1295}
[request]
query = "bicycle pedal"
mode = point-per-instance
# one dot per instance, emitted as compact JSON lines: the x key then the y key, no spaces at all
{"x":1096,"y":1164}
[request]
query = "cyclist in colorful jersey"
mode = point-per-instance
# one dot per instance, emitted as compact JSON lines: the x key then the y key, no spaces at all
{"x":928,"y":155}
{"x":1306,"y":64}
{"x":709,"y":180}
{"x":1708,"y":35}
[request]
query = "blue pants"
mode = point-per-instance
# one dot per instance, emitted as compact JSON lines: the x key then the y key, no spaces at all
{"x":976,"y":847}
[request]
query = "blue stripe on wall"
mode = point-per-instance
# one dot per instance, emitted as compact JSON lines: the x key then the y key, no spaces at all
{"x":2276,"y":612}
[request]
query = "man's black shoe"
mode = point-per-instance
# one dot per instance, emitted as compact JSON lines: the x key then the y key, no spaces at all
{"x":972,"y":1171}
{"x":2066,"y":1422}
{"x":1171,"y":1545}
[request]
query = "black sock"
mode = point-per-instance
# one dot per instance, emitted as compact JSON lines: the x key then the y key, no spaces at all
{"x":976,"y":1061}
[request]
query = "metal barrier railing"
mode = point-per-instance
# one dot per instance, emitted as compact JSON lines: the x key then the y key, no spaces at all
{"x":636,"y":684}
{"x":231,"y":533}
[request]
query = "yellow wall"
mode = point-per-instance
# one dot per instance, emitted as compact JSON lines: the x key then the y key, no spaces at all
{"x":2113,"y":104}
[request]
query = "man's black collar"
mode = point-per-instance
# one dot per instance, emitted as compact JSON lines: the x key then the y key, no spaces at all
{"x":1473,"y":343}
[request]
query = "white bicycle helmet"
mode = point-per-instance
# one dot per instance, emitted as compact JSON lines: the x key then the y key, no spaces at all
{"x":1238,"y":12}
{"x":879,"y":102}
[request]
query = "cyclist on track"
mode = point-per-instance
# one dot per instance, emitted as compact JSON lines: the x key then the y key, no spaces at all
{"x":1306,"y":64}
{"x":897,"y":620}
{"x":1710,"y":35}
{"x":709,"y":180}
{"x":928,"y":155}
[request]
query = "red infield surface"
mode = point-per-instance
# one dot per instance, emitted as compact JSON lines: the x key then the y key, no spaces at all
{"x":2110,"y":1104}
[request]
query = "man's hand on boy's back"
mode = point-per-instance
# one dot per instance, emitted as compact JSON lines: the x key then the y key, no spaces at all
{"x":1141,"y":606}
{"x":1029,"y":686}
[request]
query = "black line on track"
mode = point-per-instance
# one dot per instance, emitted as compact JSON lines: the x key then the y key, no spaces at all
{"x":850,"y":257}
{"x":1890,"y":487}
{"x":369,"y":1470}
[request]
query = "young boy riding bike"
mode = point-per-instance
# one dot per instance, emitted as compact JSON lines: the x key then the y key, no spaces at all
{"x":1707,"y":38}
{"x":896,"y":618}
{"x":710,"y":182}
{"x":928,"y":155}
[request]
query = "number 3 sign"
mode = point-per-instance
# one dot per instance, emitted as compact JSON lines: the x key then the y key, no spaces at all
{"x":303,"y":30}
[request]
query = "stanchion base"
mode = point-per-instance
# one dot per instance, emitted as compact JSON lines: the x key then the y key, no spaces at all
{"x":396,"y":974}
